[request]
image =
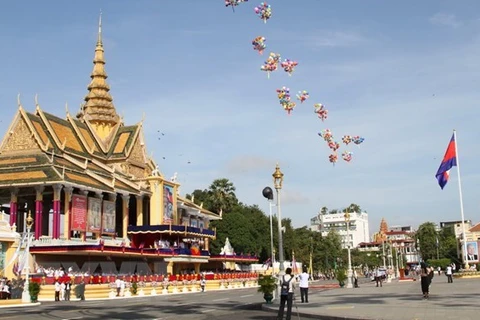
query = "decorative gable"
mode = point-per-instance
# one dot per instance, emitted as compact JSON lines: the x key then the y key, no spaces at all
{"x":19,"y":138}
{"x":137,"y":155}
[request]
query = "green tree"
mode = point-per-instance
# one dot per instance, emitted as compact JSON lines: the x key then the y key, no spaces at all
{"x":222,"y":195}
{"x":331,"y":248}
{"x":448,"y":244}
{"x":353,"y":208}
{"x":426,"y":236}
{"x":324,"y":210}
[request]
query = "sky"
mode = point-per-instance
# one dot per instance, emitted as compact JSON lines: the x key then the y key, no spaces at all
{"x":401,"y":74}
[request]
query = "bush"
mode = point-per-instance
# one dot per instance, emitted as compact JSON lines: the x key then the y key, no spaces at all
{"x":34,"y":290}
{"x":442,"y":263}
{"x":133,"y":288}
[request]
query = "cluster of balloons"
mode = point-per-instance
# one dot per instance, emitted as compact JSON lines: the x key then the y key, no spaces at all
{"x":263,"y":11}
{"x":289,"y":66}
{"x":321,"y":111}
{"x":283,"y":95}
{"x":327,"y":135}
{"x":303,"y":96}
{"x":233,"y":3}
{"x":259,"y":44}
{"x":355,"y":139}
{"x":271,"y":64}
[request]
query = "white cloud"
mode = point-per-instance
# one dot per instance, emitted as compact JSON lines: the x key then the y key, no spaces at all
{"x":289,"y":197}
{"x":335,"y":38}
{"x":449,"y":20}
{"x":242,"y":164}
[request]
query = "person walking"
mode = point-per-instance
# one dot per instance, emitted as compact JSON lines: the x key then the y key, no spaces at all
{"x":448,"y":273}
{"x":287,"y":288}
{"x":425,"y":279}
{"x":303,"y":279}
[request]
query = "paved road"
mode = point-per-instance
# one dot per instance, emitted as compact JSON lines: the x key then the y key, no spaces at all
{"x":394,"y":301}
{"x":239,"y":304}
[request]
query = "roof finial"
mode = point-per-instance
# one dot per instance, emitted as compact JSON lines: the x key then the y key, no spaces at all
{"x":66,"y":108}
{"x":99,"y":39}
{"x":18,"y":101}
{"x":36,"y":101}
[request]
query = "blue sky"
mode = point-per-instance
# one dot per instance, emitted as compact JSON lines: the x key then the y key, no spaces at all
{"x":401,"y":74}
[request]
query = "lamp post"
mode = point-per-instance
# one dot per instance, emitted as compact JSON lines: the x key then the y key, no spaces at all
{"x":349,"y":272}
{"x":268,"y":194}
{"x":26,"y":293}
{"x":277,"y":183}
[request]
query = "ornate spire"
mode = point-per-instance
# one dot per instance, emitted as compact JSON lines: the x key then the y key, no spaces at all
{"x":98,"y":108}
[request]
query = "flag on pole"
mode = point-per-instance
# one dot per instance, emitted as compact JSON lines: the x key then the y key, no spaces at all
{"x":449,"y":161}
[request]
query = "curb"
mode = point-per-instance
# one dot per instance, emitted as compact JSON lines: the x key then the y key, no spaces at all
{"x":20,"y":305}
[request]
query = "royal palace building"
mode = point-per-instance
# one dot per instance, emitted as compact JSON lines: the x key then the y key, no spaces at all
{"x":94,"y":194}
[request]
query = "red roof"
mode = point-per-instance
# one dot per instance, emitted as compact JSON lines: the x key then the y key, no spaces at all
{"x":475,"y":228}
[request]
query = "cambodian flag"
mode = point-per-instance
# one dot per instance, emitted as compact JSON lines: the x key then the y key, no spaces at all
{"x":449,"y":161}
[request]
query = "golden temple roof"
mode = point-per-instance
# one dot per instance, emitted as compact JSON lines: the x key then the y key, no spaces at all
{"x":95,"y":149}
{"x":98,"y":105}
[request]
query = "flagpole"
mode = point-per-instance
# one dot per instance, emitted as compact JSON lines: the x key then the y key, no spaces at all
{"x":461,"y":202}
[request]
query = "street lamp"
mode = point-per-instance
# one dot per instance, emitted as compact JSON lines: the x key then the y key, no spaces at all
{"x":277,"y":183}
{"x":268,"y":194}
{"x":349,"y":272}
{"x":26,"y":292}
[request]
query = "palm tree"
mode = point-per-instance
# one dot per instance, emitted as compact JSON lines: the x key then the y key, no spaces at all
{"x":222,"y":195}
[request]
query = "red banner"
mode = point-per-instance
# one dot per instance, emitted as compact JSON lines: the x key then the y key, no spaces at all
{"x":79,"y":213}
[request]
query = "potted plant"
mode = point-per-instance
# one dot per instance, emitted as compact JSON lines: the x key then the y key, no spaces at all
{"x":341,"y":277}
{"x":267,"y":284}
{"x":34,"y":290}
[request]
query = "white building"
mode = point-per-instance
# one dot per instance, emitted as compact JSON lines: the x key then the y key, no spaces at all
{"x":359,"y":231}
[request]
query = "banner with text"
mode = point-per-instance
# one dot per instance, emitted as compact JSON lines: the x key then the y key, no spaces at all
{"x":79,"y":213}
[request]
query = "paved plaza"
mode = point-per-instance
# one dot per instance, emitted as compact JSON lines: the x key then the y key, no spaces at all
{"x":393,"y":301}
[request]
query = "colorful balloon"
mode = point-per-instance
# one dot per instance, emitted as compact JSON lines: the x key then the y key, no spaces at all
{"x":263,"y":11}
{"x":302,"y":96}
{"x":333,"y":158}
{"x":347,"y":156}
{"x":333,"y":145}
{"x":233,"y":3}
{"x":357,"y":140}
{"x":326,"y":134}
{"x":321,"y":111}
{"x":259,"y":44}
{"x":289,"y":106}
{"x":289,"y":66}
{"x":271,"y":64}
{"x":347,"y":139}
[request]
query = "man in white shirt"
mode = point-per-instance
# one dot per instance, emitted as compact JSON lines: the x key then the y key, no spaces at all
{"x":448,"y":272}
{"x":303,"y":279}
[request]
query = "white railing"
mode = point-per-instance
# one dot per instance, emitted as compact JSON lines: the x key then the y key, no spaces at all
{"x":48,"y":241}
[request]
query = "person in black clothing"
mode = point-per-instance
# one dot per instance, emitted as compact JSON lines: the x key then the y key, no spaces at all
{"x":425,"y":279}
{"x":286,"y":294}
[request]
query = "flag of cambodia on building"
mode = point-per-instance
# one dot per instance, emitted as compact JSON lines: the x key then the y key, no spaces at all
{"x":449,"y":161}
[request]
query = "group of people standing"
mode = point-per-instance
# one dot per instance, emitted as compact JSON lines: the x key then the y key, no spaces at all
{"x":287,"y":285}
{"x":62,"y":290}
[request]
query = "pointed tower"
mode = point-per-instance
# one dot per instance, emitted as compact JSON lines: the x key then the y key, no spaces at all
{"x":98,"y":109}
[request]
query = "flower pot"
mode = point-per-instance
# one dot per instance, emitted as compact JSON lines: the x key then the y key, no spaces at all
{"x":268,"y":298}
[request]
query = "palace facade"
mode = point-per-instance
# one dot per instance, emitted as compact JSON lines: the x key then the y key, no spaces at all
{"x":97,"y":199}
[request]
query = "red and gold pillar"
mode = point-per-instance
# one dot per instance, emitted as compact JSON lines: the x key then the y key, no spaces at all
{"x":13,"y":206}
{"x":125,"y":200}
{"x":67,"y":210}
{"x":57,"y":190}
{"x":38,"y":211}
